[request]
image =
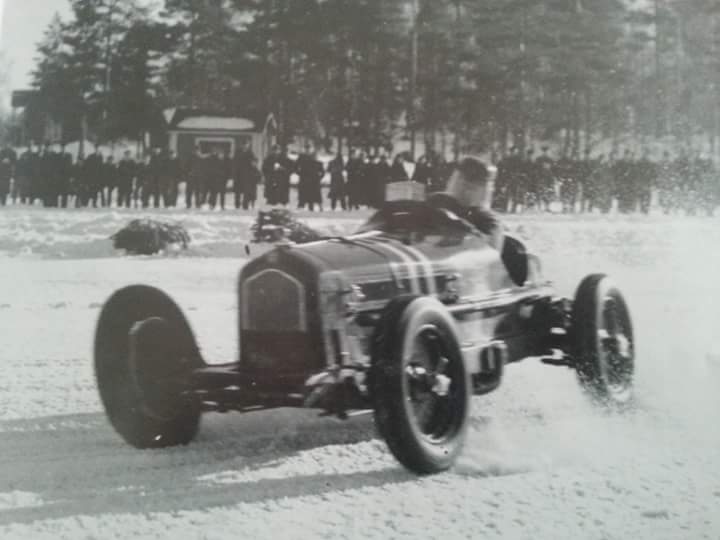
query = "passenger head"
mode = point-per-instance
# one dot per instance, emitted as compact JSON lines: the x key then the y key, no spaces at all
{"x":469,"y":183}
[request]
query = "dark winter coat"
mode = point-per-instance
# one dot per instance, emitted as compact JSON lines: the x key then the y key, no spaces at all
{"x":276,"y":170}
{"x":356,"y":181}
{"x":336,"y":168}
{"x":6,"y":172}
{"x":380,"y":174}
{"x":127,"y":170}
{"x":310,"y":172}
{"x":244,"y":171}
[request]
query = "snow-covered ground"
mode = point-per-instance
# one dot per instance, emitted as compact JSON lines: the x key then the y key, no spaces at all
{"x":540,"y":462}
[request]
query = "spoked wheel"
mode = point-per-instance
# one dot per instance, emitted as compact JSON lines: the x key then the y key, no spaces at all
{"x":428,"y":382}
{"x":420,"y":385}
{"x":603,"y":343}
{"x":144,"y":354}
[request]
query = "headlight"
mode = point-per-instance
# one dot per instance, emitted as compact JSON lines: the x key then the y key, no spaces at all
{"x":451,"y":290}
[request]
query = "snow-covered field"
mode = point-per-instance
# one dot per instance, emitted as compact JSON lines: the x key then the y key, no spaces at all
{"x":540,"y":462}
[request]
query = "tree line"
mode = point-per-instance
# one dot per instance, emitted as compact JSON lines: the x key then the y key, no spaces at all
{"x":459,"y":75}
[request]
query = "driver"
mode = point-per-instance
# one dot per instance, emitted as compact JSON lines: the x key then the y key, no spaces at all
{"x":468,"y":195}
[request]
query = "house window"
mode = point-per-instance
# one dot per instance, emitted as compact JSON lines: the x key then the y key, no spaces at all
{"x":223,"y":145}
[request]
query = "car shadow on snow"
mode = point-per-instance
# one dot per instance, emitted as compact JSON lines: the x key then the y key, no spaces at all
{"x":76,"y":465}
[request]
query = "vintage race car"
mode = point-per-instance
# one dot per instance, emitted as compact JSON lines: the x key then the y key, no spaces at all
{"x":407,"y":319}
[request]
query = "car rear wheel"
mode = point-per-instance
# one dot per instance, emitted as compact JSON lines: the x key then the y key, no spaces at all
{"x":603,"y":345}
{"x":420,"y":385}
{"x":144,"y":354}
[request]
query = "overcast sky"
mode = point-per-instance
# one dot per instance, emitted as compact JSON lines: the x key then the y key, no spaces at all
{"x":22,"y":23}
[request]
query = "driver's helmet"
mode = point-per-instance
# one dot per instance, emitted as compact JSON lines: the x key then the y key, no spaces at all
{"x":469,"y":184}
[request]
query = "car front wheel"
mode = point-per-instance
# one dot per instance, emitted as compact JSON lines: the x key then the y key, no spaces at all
{"x":420,"y":385}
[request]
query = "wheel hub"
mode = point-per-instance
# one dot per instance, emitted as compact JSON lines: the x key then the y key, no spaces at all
{"x":442,"y":384}
{"x":617,"y":344}
{"x":159,"y":371}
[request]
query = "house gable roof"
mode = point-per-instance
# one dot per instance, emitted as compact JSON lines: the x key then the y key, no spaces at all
{"x":204,"y":120}
{"x":215,"y":123}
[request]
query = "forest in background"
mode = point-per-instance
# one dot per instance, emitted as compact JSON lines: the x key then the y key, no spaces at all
{"x":458,"y":75}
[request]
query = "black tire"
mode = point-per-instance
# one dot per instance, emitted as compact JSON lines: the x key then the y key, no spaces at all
{"x":420,"y":385}
{"x":144,"y":353}
{"x":603,"y":346}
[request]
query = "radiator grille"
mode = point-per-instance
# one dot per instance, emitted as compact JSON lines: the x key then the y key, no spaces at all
{"x":274,"y":301}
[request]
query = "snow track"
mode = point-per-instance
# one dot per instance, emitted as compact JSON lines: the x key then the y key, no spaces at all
{"x":539,"y":463}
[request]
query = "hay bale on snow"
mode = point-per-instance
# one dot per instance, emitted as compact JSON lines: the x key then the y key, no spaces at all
{"x":148,"y":236}
{"x":279,"y":224}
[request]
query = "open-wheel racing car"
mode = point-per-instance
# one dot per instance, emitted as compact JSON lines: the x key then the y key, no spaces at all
{"x":407,"y":318}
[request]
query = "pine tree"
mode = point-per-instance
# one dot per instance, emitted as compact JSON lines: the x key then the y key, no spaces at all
{"x":201,"y":67}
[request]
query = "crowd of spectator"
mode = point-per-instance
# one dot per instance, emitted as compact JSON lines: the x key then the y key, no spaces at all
{"x":50,"y":176}
{"x":686,"y":182}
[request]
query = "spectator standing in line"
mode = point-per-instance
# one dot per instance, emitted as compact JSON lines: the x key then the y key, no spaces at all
{"x":338,"y":192}
{"x":227,"y":174}
{"x":249,"y":186}
{"x":153,"y":174}
{"x":92,"y":178}
{"x":23,"y":173}
{"x":602,"y":180}
{"x":681,"y":179}
{"x":303,"y":168}
{"x":244,"y":175}
{"x":310,"y":172}
{"x":109,"y":182}
{"x":399,"y":169}
{"x":565,"y":172}
{"x":624,"y":189}
{"x":355,"y":170}
{"x":646,"y":179}
{"x":193,"y":180}
{"x":36,"y":173}
{"x":708,"y":186}
{"x":164,"y":178}
{"x":45,"y":175}
{"x":6,"y":173}
{"x":544,"y":166}
{"x":216,"y":177}
{"x":665,"y":183}
{"x":695,"y":181}
{"x":584,"y":169}
{"x":65,"y":177}
{"x":379,"y":174}
{"x":529,"y":180}
{"x":78,"y":183}
{"x":54,"y":166}
{"x":127,"y":171}
{"x":173,"y":175}
{"x":276,"y":170}
{"x":9,"y":153}
{"x":142,"y":184}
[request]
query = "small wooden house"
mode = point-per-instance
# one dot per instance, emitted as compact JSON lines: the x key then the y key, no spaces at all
{"x":188,"y":129}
